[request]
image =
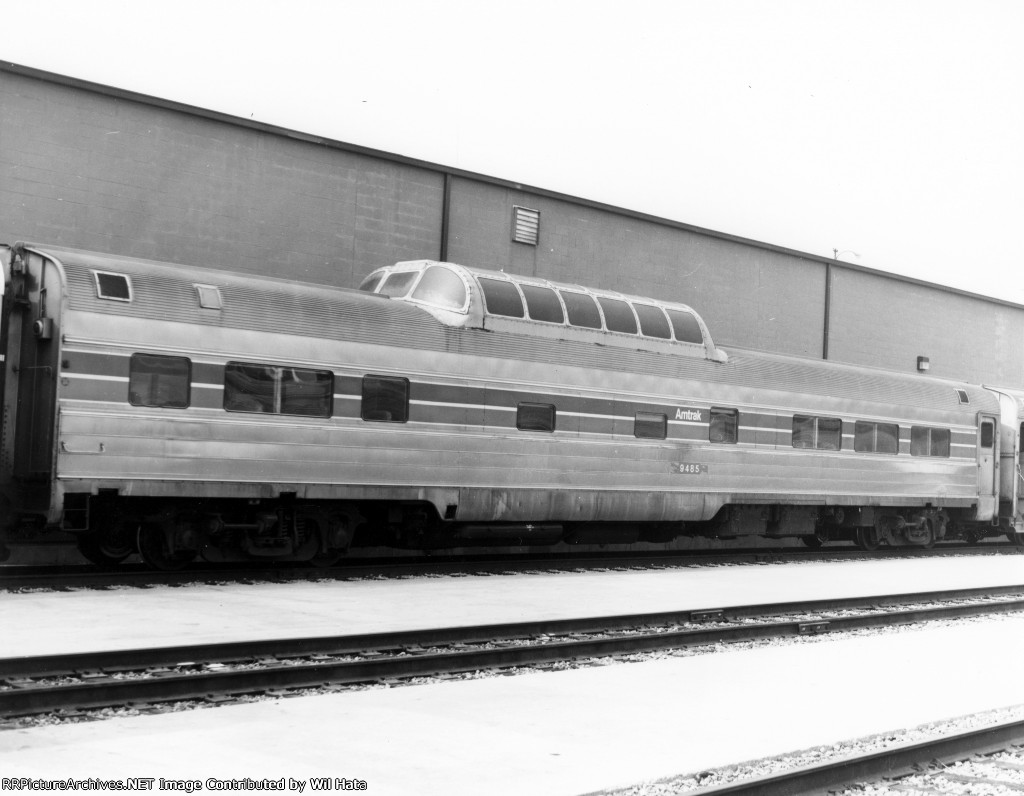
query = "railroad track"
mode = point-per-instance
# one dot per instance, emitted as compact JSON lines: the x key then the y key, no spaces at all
{"x":45,"y":684}
{"x":13,"y":578}
{"x":986,"y":759}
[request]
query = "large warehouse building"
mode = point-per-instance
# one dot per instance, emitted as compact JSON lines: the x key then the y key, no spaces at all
{"x":99,"y":168}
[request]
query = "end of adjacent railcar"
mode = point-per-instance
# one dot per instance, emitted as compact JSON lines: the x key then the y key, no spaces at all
{"x":30,"y":319}
{"x":5,"y":273}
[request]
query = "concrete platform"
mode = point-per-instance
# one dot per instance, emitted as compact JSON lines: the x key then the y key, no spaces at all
{"x":37,"y":623}
{"x":557,"y":733}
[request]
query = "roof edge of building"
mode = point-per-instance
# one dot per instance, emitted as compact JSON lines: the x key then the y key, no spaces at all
{"x":265,"y":127}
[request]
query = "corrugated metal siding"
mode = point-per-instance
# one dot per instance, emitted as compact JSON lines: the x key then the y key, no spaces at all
{"x":235,"y":455}
{"x":276,"y":307}
{"x":744,"y":369}
{"x":167,"y":293}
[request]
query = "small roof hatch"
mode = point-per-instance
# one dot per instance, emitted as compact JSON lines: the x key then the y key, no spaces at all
{"x":209,"y":297}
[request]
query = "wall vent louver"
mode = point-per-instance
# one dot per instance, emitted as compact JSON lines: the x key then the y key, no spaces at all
{"x":525,"y":225}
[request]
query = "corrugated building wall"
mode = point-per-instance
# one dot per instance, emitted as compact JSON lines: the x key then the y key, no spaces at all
{"x":106,"y":173}
{"x":103,"y":169}
{"x":735,"y":286}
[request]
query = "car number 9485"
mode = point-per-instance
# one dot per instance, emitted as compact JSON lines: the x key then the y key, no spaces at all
{"x":689,"y":468}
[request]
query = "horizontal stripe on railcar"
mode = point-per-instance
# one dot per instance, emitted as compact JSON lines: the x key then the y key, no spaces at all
{"x":503,"y":417}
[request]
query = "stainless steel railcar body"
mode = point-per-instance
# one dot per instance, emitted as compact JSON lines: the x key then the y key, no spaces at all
{"x":201,"y":405}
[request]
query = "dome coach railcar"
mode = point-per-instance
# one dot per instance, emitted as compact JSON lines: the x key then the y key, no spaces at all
{"x":186,"y":412}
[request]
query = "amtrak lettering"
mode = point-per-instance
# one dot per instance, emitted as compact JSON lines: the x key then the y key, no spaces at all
{"x":693,"y":415}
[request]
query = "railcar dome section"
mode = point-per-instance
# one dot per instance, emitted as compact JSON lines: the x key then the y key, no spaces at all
{"x":477,"y":298}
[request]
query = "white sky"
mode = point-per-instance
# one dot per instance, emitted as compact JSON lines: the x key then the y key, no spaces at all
{"x":891,"y":129}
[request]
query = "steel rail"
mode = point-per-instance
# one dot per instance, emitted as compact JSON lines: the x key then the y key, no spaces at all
{"x":896,"y":761}
{"x":15,"y":576}
{"x":90,"y":576}
{"x":61,"y":664}
{"x":407,"y":657}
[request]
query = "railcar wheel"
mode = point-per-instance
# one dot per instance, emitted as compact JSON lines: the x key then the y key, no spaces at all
{"x":335,"y":538}
{"x":328,"y":559}
{"x":154,"y":551}
{"x":930,"y":542}
{"x":1016,"y":538}
{"x":108,"y":548}
{"x":813,"y":541}
{"x":867,"y":539}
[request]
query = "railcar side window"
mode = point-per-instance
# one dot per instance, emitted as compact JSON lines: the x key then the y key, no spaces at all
{"x":653,"y":322}
{"x":821,"y":433}
{"x":582,"y":310}
{"x":803,"y":431}
{"x":830,"y":433}
{"x":650,"y":425}
{"x":686,"y":327}
{"x":724,"y":425}
{"x":442,"y":288}
{"x":159,"y":381}
{"x":535,"y":417}
{"x":925,"y":441}
{"x":543,"y":304}
{"x":397,"y":283}
{"x":618,"y":316}
{"x":502,"y":298}
{"x":988,"y":434}
{"x":876,"y":437}
{"x":113,"y":287}
{"x":306,"y":392}
{"x":277,"y":390}
{"x":385,"y":399}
